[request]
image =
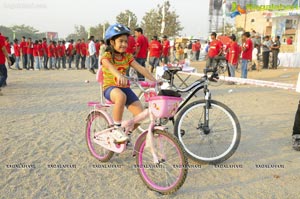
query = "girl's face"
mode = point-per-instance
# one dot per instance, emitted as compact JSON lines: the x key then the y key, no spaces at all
{"x":120,"y":44}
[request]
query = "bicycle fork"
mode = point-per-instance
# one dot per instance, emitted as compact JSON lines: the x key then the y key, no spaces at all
{"x":207,"y":106}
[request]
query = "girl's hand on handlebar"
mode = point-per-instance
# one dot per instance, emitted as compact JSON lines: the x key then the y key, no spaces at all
{"x":122,"y":81}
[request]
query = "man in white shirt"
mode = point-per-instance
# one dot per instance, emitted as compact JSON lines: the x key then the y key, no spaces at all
{"x":92,"y":54}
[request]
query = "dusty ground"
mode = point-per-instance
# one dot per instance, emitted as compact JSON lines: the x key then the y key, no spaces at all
{"x":42,"y":116}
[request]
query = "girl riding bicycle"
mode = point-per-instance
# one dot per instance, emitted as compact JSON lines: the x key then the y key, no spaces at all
{"x":115,"y":62}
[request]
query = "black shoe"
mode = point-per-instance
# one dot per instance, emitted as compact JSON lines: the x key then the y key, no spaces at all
{"x":214,"y":78}
{"x":296,"y":142}
{"x":92,"y":71}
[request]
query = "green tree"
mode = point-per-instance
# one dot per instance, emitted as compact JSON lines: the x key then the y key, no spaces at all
{"x":152,"y":21}
{"x":79,"y":33}
{"x":127,"y":18}
{"x":98,"y":30}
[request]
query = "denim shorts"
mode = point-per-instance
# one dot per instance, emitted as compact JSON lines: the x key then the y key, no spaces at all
{"x":131,"y":96}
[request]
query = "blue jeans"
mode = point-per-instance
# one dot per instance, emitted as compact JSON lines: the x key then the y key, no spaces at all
{"x":37,"y":63}
{"x":244,"y":68}
{"x":142,"y":62}
{"x":17,"y":62}
{"x":93,"y":61}
{"x":52,"y":62}
{"x":24,"y":61}
{"x":3,"y":74}
{"x":232,"y":69}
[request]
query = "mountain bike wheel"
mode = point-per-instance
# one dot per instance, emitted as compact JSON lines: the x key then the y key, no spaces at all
{"x":97,"y":122}
{"x":169,"y":175}
{"x":215,"y":146}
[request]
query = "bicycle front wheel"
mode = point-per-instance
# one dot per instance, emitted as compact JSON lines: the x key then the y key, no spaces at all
{"x":97,"y":122}
{"x":169,"y":174}
{"x":213,"y":146}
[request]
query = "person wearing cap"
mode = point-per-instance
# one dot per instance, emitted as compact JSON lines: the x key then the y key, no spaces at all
{"x":233,"y":55}
{"x":155,"y":49}
{"x":166,"y":49}
{"x":115,"y":62}
{"x":17,"y":53}
{"x":247,"y":48}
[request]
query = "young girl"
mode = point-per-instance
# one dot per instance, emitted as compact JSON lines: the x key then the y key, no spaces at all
{"x":115,"y":61}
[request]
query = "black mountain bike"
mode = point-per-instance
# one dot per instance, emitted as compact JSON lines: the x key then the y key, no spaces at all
{"x":208,"y":130}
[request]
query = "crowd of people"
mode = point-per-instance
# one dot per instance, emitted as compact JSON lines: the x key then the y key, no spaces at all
{"x":248,"y":52}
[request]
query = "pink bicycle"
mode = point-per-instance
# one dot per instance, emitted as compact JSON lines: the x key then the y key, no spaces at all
{"x":160,"y":159}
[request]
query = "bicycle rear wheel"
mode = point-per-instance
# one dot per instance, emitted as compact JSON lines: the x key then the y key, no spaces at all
{"x":169,"y":175}
{"x":212,"y":147}
{"x":97,"y":122}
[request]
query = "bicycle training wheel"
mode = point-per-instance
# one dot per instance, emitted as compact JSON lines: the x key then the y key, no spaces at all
{"x":213,"y":146}
{"x":169,"y":174}
{"x":97,"y":122}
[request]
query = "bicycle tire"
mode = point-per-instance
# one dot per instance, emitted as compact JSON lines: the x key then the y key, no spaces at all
{"x":107,"y":155}
{"x":188,"y":145}
{"x":180,"y":153}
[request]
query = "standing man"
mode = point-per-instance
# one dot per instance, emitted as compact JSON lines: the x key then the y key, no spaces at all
{"x":142,"y":46}
{"x":83,"y":52}
{"x":3,"y":69}
{"x":275,"y":51}
{"x":266,"y":51}
{"x":59,"y":54}
{"x":51,"y":52}
{"x":17,"y":53}
{"x":296,"y":130}
{"x":41,"y":54}
{"x":233,"y":55}
{"x":23,"y":47}
{"x":70,"y":52}
{"x":45,"y":52}
{"x":36,"y":56}
{"x":92,"y":53}
{"x":198,"y":48}
{"x":8,"y":48}
{"x":78,"y":55}
{"x":155,"y":49}
{"x":166,"y":50}
{"x":63,"y":54}
{"x":30,"y":58}
{"x":215,"y":49}
{"x":246,"y":53}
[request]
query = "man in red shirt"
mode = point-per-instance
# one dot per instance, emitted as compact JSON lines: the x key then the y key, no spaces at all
{"x":78,"y":55}
{"x":30,"y":53}
{"x":35,"y":53}
{"x":131,"y":45}
{"x":3,"y":69}
{"x":247,"y":48}
{"x":59,"y":54}
{"x":215,"y":49}
{"x":45,"y":52}
{"x":233,"y":55}
{"x":155,"y":49}
{"x":166,"y":50}
{"x":8,"y":48}
{"x":63,"y":54}
{"x":83,"y":52}
{"x":17,"y":53}
{"x":41,"y":53}
{"x":70,"y":53}
{"x":141,"y":53}
{"x":197,"y":49}
{"x":23,"y":47}
{"x":51,"y":55}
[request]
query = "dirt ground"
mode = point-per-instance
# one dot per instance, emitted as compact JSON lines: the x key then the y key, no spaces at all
{"x":43,"y":113}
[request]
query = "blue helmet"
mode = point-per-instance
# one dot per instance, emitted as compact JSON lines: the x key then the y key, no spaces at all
{"x":114,"y":30}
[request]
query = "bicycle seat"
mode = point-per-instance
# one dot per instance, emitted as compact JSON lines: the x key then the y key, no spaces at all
{"x":174,"y":69}
{"x":219,"y":58}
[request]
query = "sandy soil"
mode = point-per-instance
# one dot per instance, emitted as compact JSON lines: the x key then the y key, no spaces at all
{"x":43,"y":113}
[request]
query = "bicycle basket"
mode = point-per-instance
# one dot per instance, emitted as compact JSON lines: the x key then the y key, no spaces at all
{"x":164,"y":106}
